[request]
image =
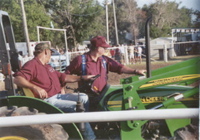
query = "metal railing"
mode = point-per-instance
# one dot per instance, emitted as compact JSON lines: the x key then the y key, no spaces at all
{"x":100,"y":116}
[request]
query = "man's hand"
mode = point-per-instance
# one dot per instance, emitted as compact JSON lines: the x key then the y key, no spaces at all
{"x":74,"y":78}
{"x":22,"y":82}
{"x":40,"y":92}
{"x":128,"y":70}
{"x":87,"y":77}
{"x":140,"y":72}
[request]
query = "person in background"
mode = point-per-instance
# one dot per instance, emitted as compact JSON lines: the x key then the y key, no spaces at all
{"x":118,"y":54}
{"x":131,"y":54}
{"x":139,"y":55}
{"x":112,"y":52}
{"x":46,"y":83}
{"x":136,"y":54}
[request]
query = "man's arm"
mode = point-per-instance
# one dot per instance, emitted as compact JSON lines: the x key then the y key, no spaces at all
{"x":128,"y":70}
{"x":74,"y":78}
{"x":22,"y":82}
{"x":75,"y":66}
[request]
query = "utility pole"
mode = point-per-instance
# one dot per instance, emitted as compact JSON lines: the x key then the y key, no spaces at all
{"x":106,"y":3}
{"x":25,"y":27}
{"x":115,"y":21}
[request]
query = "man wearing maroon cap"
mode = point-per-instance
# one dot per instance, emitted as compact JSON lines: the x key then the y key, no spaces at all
{"x":97,"y":63}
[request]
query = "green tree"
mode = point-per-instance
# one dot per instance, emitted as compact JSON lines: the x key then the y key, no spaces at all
{"x":167,"y":15}
{"x":81,"y":18}
{"x":197,"y":20}
{"x":126,"y":13}
{"x":14,"y":11}
{"x":130,"y":20}
{"x":35,"y":14}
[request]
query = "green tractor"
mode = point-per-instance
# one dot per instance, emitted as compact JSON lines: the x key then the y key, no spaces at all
{"x":171,"y":87}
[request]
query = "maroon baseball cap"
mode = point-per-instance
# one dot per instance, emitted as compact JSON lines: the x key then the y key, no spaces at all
{"x":99,"y":41}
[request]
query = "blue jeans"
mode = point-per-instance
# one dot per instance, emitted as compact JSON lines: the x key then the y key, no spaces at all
{"x":67,"y":103}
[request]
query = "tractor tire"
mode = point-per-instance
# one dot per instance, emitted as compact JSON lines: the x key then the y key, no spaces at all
{"x":31,"y":132}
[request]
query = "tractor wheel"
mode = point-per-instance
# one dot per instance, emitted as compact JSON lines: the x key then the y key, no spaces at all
{"x":38,"y":131}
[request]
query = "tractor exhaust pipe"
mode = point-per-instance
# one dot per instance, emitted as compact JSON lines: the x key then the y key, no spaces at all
{"x":147,"y":43}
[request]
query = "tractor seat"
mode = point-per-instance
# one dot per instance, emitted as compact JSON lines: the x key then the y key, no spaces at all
{"x":28,"y":92}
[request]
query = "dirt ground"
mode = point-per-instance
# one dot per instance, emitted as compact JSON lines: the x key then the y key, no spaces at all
{"x":114,"y":79}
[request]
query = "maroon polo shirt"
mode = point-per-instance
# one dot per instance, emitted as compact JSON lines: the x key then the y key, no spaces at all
{"x":43,"y":76}
{"x":94,"y":68}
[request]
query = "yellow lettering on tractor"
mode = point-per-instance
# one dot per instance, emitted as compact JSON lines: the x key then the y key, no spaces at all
{"x":115,"y":104}
{"x":170,"y":80}
{"x":152,"y":99}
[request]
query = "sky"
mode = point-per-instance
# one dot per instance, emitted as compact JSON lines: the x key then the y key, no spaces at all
{"x":194,"y":4}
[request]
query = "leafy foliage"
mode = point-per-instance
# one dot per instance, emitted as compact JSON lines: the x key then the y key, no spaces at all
{"x":35,"y":15}
{"x":81,"y":18}
{"x":14,"y":10}
{"x":84,"y":19}
{"x":167,"y":15}
{"x":197,"y":20}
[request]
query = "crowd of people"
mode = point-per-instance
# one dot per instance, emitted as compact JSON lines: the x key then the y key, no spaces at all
{"x":47,"y":84}
{"x":135,"y":53}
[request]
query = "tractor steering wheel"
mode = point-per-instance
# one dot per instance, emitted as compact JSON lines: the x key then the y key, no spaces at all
{"x":87,"y":86}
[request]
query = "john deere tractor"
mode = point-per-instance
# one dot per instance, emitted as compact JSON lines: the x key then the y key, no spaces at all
{"x":171,"y":87}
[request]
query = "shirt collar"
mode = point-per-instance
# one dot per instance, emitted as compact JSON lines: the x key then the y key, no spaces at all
{"x":89,"y":58}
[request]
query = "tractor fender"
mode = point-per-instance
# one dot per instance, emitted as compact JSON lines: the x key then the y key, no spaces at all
{"x":41,"y":106}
